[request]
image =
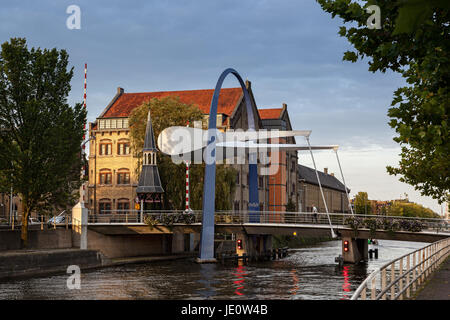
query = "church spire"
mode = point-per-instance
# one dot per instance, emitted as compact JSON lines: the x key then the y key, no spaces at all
{"x":149,"y":181}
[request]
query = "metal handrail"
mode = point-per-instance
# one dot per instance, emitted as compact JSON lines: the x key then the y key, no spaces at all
{"x":429,"y":258}
{"x":231,"y":217}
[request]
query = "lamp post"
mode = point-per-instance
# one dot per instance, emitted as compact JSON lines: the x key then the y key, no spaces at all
{"x":273,"y":187}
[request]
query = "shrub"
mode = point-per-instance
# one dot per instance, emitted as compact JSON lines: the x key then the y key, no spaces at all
{"x":355,"y":223}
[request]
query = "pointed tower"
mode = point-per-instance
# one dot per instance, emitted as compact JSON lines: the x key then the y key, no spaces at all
{"x":149,"y":188}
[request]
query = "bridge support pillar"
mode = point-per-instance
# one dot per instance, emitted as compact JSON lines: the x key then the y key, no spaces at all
{"x":79,"y":224}
{"x":253,"y":245}
{"x":357,"y":250}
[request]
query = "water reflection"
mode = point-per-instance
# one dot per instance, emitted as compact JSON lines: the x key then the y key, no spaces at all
{"x":314,"y":266}
{"x":346,"y":285}
{"x":239,"y":273}
{"x":295,"y":285}
{"x":208,"y":272}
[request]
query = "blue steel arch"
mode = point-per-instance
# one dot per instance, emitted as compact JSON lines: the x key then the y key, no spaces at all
{"x":209,"y":190}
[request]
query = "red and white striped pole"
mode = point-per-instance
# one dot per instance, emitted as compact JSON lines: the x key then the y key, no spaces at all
{"x":187,"y":181}
{"x":83,"y":192}
{"x":84,"y":102}
{"x":187,"y":186}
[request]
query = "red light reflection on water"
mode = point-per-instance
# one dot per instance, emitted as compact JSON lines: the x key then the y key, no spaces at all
{"x":346,"y":285}
{"x":295,"y":288}
{"x":239,"y":273}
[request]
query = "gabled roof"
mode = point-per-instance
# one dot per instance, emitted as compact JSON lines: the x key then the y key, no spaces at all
{"x":273,"y":113}
{"x":326,"y":180}
{"x":124,"y":103}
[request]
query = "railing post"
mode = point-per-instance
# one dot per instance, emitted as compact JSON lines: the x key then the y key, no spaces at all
{"x":400,"y":288}
{"x":408,"y":266}
{"x":383,"y":283}
{"x":392,"y":281}
{"x":373,"y":293}
{"x":419,"y":267}
{"x":363,"y":293}
{"x":414,"y":272}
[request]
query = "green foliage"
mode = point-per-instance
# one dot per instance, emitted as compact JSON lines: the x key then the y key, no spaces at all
{"x":362,"y":203}
{"x":40,"y":134}
{"x":372,"y":224}
{"x":386,"y":224}
{"x":354,"y":223}
{"x":290,"y":206}
{"x":413,"y":41}
{"x":167,"y":112}
{"x":412,"y":14}
{"x":405,"y":209}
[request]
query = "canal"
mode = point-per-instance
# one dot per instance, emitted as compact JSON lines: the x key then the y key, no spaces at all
{"x":307,"y":273}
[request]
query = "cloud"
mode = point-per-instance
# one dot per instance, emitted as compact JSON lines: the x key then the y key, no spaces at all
{"x":290,"y":50}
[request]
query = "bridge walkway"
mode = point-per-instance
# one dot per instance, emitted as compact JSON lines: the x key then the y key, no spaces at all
{"x":438,"y":287}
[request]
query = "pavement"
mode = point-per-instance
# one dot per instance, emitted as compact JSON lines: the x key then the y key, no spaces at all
{"x":438,"y":287}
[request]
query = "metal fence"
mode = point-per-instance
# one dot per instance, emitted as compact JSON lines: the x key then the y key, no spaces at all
{"x":402,"y":277}
{"x":265,"y":217}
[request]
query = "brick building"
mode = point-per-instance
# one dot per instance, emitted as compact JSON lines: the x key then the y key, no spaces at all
{"x":112,"y":167}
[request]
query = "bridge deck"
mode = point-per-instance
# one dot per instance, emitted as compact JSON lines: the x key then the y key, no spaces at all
{"x":303,"y":230}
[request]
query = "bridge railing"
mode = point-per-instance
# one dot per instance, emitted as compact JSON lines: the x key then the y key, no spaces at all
{"x":402,"y":277}
{"x":266,"y":217}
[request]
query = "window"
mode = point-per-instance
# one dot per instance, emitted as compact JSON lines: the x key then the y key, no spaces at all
{"x":123,"y":148}
{"x":123,"y":177}
{"x":105,"y":148}
{"x":123,"y":204}
{"x":260,"y":182}
{"x":105,"y":177}
{"x":105,"y":206}
{"x":237,"y":177}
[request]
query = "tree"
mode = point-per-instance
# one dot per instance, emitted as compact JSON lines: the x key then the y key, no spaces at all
{"x":362,"y":203}
{"x":40,"y":134}
{"x":413,"y":41}
{"x":408,"y":209}
{"x":290,"y":206}
{"x":167,"y":112}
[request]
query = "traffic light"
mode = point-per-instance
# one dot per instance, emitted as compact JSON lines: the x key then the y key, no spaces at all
{"x":345,"y":246}
{"x":239,"y":244}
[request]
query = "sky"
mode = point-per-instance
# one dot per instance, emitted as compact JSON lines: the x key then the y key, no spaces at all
{"x":289,"y":50}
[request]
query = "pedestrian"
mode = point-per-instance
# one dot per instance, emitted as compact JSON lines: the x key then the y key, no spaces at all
{"x":314,"y":214}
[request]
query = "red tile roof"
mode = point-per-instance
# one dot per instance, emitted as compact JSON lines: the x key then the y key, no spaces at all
{"x":228,"y":100}
{"x":270,"y":113}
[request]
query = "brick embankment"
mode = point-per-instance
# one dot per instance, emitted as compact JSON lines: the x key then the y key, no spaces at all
{"x":438,"y":287}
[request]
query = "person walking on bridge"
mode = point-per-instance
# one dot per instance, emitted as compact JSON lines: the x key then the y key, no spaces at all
{"x":314,"y":209}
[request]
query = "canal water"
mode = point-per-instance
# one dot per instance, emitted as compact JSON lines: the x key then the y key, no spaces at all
{"x":307,"y":273}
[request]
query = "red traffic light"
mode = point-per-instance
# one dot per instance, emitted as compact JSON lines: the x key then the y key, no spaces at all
{"x":345,"y":246}
{"x":239,"y":244}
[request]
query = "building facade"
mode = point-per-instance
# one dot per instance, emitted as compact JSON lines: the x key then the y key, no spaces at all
{"x":309,"y":194}
{"x":112,"y":166}
{"x":113,"y":180}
